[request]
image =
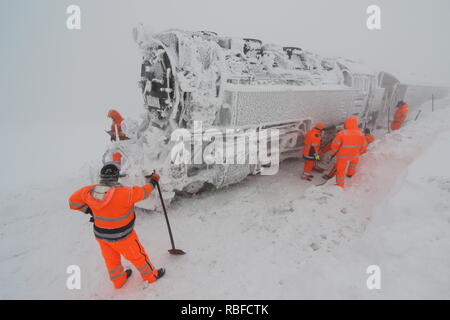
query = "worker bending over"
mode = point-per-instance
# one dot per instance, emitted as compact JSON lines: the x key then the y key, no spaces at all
{"x":369,"y":138}
{"x":347,"y":146}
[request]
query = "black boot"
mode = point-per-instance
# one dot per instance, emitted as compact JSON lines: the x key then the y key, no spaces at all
{"x":128,"y":272}
{"x":161,"y":273}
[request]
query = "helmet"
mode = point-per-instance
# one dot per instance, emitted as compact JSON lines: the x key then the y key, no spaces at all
{"x":320,"y":125}
{"x":110,"y":172}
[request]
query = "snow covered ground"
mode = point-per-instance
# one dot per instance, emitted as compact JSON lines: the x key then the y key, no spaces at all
{"x":269,"y":237}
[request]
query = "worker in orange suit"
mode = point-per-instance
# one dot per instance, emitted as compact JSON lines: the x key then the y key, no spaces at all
{"x":117,"y":120}
{"x":311,"y":149}
{"x":347,"y":146}
{"x":400,"y":115}
{"x":369,"y":138}
{"x":112,"y":208}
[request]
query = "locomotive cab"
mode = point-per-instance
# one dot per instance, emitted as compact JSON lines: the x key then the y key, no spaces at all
{"x":157,"y":83}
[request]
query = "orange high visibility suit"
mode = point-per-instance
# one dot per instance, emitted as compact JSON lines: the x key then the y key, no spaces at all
{"x":113,"y":212}
{"x":369,"y":138}
{"x":400,"y":116}
{"x":347,"y":147}
{"x":311,"y":147}
{"x":116,"y":122}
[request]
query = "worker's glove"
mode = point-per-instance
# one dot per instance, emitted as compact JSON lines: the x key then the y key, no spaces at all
{"x":86,"y":210}
{"x":153,"y":179}
{"x":317,"y":157}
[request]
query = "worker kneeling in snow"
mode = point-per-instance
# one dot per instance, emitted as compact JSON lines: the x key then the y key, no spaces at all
{"x":311,"y":149}
{"x":347,"y":146}
{"x":112,"y":208}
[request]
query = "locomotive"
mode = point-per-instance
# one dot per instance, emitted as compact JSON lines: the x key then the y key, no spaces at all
{"x":245,"y":85}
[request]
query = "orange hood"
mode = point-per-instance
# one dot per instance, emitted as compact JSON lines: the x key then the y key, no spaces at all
{"x":115,"y":115}
{"x":351,"y":123}
{"x":99,"y":196}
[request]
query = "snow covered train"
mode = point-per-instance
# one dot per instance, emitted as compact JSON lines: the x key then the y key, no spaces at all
{"x":244,"y":84}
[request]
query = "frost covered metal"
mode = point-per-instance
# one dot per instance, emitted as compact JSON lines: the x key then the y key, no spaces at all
{"x":242,"y":84}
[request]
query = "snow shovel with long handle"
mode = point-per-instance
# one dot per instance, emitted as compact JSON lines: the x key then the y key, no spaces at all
{"x":173,"y":250}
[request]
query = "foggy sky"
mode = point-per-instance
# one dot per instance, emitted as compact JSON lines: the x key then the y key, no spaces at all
{"x":56,"y":85}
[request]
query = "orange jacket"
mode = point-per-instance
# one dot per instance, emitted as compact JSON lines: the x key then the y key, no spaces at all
{"x":116,"y":121}
{"x":112,"y":208}
{"x":400,"y":116}
{"x":311,"y":144}
{"x":350,"y":142}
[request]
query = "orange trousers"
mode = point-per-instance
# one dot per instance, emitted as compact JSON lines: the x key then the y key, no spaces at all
{"x":341,"y":169}
{"x":309,"y":166}
{"x":132,"y":250}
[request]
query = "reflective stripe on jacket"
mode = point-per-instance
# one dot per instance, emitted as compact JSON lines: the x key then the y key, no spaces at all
{"x":350,"y":142}
{"x":113,"y":215}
